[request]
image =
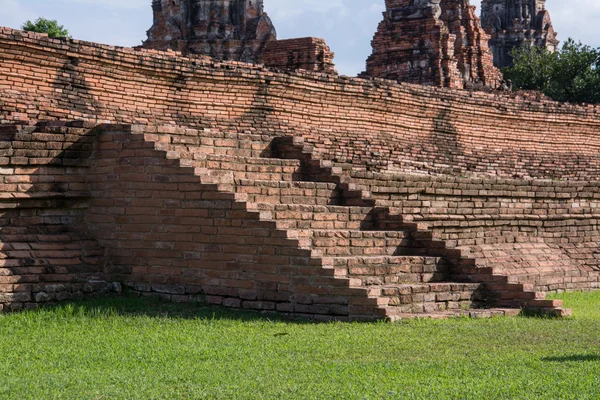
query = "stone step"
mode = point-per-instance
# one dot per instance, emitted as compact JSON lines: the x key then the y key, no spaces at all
{"x":291,"y":211}
{"x":282,"y":192}
{"x":328,"y":243}
{"x":431,"y":297}
{"x":215,"y":177}
{"x":286,"y":184}
{"x":395,"y":315}
{"x":550,"y":279}
{"x":310,"y":217}
{"x":213,"y":142}
{"x":219,"y":160}
{"x":246,"y":167}
{"x":382,"y":270}
{"x":519,"y":295}
{"x":36,"y":259}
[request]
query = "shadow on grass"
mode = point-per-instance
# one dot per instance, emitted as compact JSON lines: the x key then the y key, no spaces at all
{"x":131,"y":305}
{"x":573,"y":358}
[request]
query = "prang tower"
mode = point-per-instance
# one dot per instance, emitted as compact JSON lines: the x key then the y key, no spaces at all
{"x":432,"y":42}
{"x":515,"y":23}
{"x":225,"y":29}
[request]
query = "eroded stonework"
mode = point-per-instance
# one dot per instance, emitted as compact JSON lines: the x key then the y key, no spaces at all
{"x":432,"y":42}
{"x":225,"y":29}
{"x":516,"y":23}
{"x":233,"y":30}
{"x":323,"y":197}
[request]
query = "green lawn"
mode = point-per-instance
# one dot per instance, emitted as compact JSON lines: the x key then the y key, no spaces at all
{"x":131,"y":348}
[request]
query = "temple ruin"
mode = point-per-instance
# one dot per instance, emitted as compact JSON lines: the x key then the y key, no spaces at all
{"x":282,"y":188}
{"x":435,"y":43}
{"x":236,"y":30}
{"x":515,"y":23}
{"x":227,"y":30}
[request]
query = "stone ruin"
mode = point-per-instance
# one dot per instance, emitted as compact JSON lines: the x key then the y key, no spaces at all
{"x":516,"y":23}
{"x":429,"y":42}
{"x":432,"y":42}
{"x":288,"y":190}
{"x":236,"y":30}
{"x":228,"y":30}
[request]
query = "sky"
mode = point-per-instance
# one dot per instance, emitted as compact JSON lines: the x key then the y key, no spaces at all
{"x":347,"y":25}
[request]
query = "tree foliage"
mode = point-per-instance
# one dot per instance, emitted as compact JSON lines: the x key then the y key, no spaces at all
{"x":571,"y":74}
{"x":43,"y":25}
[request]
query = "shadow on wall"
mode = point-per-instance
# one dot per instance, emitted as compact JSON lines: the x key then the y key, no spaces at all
{"x":47,"y":254}
{"x":261,"y":111}
{"x":445,"y":138}
{"x":74,"y":94}
{"x":263,"y":117}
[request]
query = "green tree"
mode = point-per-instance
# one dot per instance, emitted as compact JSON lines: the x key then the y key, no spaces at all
{"x":43,"y":25}
{"x":570,"y":74}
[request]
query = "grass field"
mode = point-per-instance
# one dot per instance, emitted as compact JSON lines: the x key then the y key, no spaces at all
{"x":131,"y":348}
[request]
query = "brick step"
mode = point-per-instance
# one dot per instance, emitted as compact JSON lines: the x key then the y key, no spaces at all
{"x":216,"y":177}
{"x":530,"y":303}
{"x":282,"y":192}
{"x":381,"y":270}
{"x":396,"y":181}
{"x":285,"y":184}
{"x":344,"y":212}
{"x":309,"y":217}
{"x":518,"y":295}
{"x":503,"y":286}
{"x":430,"y":297}
{"x":497,"y":280}
{"x":394,"y":196}
{"x":33,"y":255}
{"x":395,"y":315}
{"x":548,"y":278}
{"x":212,"y":142}
{"x":327,"y":243}
{"x":243,"y":167}
{"x":23,"y":198}
{"x":225,"y":159}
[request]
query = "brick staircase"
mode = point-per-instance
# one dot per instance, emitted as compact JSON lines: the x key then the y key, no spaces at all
{"x":46,"y":252}
{"x":337,"y":255}
{"x":403,"y":270}
{"x":42,"y":264}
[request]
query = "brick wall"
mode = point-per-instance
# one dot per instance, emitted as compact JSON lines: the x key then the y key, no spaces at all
{"x":377,"y":123}
{"x":46,"y":253}
{"x":310,"y":54}
{"x":81,"y":208}
{"x":126,"y":213}
{"x":545,"y":232}
{"x":170,"y":233}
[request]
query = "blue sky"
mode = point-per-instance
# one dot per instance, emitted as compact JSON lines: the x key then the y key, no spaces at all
{"x":347,"y":25}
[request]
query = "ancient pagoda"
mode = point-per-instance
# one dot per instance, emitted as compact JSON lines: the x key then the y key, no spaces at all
{"x":432,"y":42}
{"x":516,"y":23}
{"x":235,"y":30}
